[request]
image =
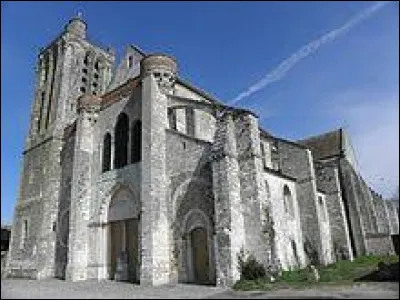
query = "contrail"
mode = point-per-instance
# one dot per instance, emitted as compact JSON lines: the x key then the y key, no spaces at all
{"x":280,"y":71}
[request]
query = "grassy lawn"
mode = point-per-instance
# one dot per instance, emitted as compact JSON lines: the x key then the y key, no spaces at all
{"x":341,"y":273}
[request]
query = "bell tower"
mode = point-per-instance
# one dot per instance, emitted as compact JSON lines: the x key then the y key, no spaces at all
{"x":67,"y":68}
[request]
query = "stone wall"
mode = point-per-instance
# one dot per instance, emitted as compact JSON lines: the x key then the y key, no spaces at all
{"x":379,"y":244}
{"x":326,"y":235}
{"x":328,"y":182}
{"x":286,"y":250}
{"x":38,"y":204}
{"x":62,"y":225}
{"x":296,"y":161}
{"x":381,"y":214}
{"x":352,"y":198}
{"x":252,"y":187}
{"x":229,"y":222}
{"x":190,"y":189}
{"x":393,"y":215}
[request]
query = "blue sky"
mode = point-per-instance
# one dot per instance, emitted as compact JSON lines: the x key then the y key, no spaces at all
{"x":224,"y":48}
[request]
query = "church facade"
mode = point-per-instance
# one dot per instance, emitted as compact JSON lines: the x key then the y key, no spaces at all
{"x":131,"y":173}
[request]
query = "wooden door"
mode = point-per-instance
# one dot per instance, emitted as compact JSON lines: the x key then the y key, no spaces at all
{"x":200,"y":257}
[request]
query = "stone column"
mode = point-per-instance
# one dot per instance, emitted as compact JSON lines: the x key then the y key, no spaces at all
{"x":78,"y":250}
{"x":328,"y":181}
{"x":252,"y":187}
{"x":155,"y":228}
{"x":229,"y":224}
{"x":352,"y":200}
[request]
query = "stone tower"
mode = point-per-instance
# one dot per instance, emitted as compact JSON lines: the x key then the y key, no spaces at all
{"x":158,"y":76}
{"x":67,"y":68}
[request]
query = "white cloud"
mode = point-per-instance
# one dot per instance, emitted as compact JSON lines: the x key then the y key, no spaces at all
{"x":372,"y":120}
{"x":281,"y":70}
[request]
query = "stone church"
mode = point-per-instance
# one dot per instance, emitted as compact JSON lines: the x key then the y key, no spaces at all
{"x":130,"y":173}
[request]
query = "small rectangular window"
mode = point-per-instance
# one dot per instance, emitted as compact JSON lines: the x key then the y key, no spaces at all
{"x":24,"y":233}
{"x":172,"y":118}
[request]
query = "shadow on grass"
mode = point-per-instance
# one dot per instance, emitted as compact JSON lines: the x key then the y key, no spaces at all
{"x":386,"y":272}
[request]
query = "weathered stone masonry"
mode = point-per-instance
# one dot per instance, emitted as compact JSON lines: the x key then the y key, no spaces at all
{"x":133,"y":174}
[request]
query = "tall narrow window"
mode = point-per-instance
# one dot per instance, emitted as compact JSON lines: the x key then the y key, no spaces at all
{"x":172,"y":118}
{"x":136,"y":142}
{"x":121,"y":141}
{"x":190,"y":121}
{"x":24,"y":233}
{"x":41,"y":110}
{"x":97,"y":65}
{"x":107,"y":153}
{"x":51,"y":94}
{"x":130,"y":62}
{"x":288,"y":201}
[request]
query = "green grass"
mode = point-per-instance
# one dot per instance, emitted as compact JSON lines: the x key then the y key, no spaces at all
{"x":341,"y":273}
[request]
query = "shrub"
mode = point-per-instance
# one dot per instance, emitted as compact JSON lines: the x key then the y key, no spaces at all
{"x":250,"y":268}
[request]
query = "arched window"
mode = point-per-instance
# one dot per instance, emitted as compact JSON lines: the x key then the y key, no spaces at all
{"x":136,"y":142}
{"x":288,"y":201}
{"x":107,"y":153}
{"x":121,"y":141}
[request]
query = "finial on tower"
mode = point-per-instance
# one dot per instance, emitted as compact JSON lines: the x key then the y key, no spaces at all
{"x":77,"y":25}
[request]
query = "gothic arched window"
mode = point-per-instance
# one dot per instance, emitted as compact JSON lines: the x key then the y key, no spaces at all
{"x":288,"y":201}
{"x":121,"y":141}
{"x":107,"y":153}
{"x":136,"y":142}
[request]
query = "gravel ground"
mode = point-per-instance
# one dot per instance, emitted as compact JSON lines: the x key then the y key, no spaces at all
{"x":57,"y":289}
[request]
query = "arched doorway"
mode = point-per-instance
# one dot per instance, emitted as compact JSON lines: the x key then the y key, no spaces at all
{"x":123,"y":237}
{"x":200,"y":256}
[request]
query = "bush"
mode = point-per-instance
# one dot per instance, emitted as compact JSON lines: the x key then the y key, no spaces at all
{"x":250,"y":268}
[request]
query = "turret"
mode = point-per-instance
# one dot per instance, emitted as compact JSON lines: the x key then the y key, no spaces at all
{"x":164,"y":69}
